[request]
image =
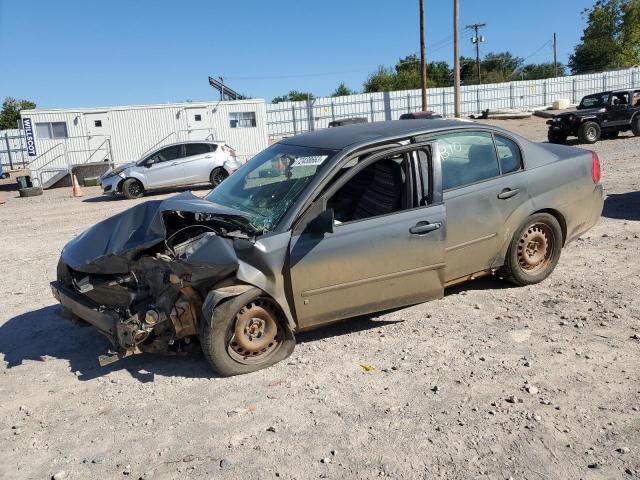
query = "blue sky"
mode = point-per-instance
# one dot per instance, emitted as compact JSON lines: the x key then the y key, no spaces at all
{"x":87,"y":53}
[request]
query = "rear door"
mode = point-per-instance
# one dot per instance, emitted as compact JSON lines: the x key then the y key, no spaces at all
{"x":164,"y":168}
{"x":198,"y":162}
{"x":377,"y":262}
{"x":620,"y":109}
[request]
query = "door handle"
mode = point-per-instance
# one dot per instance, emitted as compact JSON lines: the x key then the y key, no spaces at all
{"x":508,"y":193}
{"x":421,"y":228}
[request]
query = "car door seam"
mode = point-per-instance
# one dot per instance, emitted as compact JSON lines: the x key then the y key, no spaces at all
{"x":363,"y":281}
{"x":470,"y":242}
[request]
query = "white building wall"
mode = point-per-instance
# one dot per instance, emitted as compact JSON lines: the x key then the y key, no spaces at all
{"x":126,"y":133}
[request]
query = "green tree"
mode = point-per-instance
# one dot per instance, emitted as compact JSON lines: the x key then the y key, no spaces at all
{"x":294,"y":96}
{"x":10,"y":113}
{"x":611,"y":38}
{"x":342,"y":90}
{"x":537,"y":71}
{"x":406,"y":76}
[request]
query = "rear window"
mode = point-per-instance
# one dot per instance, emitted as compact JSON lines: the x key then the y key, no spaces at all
{"x":196,"y":149}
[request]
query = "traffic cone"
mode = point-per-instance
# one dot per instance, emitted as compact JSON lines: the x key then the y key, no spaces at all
{"x":77,"y":191}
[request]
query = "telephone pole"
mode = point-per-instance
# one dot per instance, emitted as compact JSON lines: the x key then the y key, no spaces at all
{"x":423,"y":60}
{"x":456,"y":58}
{"x":555,"y":54}
{"x":477,"y":39}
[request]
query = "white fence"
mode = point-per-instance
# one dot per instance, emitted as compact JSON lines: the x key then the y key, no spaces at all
{"x":290,"y":118}
{"x":13,"y":153}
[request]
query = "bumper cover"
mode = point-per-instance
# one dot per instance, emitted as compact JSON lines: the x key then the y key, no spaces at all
{"x":104,"y":320}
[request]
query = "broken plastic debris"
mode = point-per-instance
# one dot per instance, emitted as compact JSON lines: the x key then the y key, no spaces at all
{"x":367,"y":367}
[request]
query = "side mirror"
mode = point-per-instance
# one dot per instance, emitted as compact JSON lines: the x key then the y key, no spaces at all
{"x":323,"y":223}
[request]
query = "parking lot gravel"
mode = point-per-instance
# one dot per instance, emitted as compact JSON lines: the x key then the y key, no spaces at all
{"x":491,"y":381}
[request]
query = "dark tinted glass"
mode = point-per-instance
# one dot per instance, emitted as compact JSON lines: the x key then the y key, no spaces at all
{"x":196,"y":149}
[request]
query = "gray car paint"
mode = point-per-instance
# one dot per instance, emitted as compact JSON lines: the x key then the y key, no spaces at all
{"x":556,"y":179}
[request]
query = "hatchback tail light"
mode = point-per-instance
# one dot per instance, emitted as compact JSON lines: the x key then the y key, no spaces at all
{"x":595,"y":168}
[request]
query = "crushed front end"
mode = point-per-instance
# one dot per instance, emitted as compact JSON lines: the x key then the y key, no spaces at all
{"x":140,"y":277}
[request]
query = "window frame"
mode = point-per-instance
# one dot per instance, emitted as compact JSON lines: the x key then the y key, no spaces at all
{"x":49,"y":126}
{"x":502,"y":174}
{"x":240,"y":121}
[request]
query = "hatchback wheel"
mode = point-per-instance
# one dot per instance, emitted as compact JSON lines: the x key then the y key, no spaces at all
{"x":534,"y":250}
{"x":589,"y":132}
{"x":132,"y":188}
{"x":244,"y":334}
{"x":217,"y":176}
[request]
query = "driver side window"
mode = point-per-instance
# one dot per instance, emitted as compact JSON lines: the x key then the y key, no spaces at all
{"x":377,"y":189}
{"x":165,"y":155}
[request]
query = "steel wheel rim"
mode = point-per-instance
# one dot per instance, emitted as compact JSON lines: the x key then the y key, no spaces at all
{"x":591,"y":133}
{"x":535,"y":248}
{"x":255,"y":333}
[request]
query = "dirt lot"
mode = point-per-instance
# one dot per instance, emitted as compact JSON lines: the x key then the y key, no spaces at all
{"x":490,"y":382}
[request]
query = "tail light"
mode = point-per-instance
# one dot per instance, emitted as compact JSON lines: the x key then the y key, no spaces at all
{"x":232,"y":151}
{"x":595,"y":168}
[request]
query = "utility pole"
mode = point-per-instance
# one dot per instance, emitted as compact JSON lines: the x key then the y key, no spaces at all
{"x":423,"y":60}
{"x":456,"y":58}
{"x":555,"y":54}
{"x":477,"y":39}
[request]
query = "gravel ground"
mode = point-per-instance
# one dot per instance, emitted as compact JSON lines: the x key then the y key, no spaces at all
{"x":489,"y":382}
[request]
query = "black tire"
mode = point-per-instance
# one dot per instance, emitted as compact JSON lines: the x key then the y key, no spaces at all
{"x":524,"y":264}
{"x":132,"y":188}
{"x":30,"y":192}
{"x":217,"y":176}
{"x":555,"y":137}
{"x":219,"y":329}
{"x":635,"y":125}
{"x":589,"y":132}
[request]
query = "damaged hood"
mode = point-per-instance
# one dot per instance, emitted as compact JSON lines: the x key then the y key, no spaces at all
{"x":110,"y":245}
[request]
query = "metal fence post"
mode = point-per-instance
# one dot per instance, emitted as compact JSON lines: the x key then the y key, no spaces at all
{"x":604,"y":82}
{"x":511,"y":99}
{"x":408,"y":103}
{"x":478,"y":101}
{"x":293,"y":115}
{"x":544,"y":93}
{"x":310,"y":125}
{"x":371,"y":109}
{"x":573,"y":90}
{"x":633,"y":78}
{"x":333,"y":115}
{"x":6,"y":139}
{"x":444,"y":103}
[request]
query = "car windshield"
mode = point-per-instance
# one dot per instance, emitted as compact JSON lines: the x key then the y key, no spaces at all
{"x":265,"y":187}
{"x":594,"y":101}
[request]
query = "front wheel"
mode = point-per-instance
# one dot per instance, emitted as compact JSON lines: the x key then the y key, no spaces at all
{"x":556,"y":137}
{"x":244,"y":334}
{"x":589,"y":132}
{"x":132,"y":188}
{"x":534,"y":250}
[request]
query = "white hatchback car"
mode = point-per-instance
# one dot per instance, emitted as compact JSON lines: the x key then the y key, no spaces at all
{"x":175,"y":165}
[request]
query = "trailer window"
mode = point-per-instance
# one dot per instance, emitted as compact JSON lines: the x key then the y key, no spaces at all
{"x":242,"y":119}
{"x":52,"y":130}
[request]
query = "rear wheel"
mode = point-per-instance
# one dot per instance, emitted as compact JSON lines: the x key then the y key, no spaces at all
{"x":635,"y":125}
{"x":217,"y":176}
{"x":534,"y":250}
{"x":556,"y":137}
{"x":244,"y":334}
{"x":589,"y":132}
{"x":132,"y":188}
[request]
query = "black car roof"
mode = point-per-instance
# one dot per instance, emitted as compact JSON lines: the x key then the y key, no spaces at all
{"x":339,"y":138}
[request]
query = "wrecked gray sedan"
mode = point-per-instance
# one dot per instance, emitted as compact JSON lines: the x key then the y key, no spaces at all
{"x":326,"y":226}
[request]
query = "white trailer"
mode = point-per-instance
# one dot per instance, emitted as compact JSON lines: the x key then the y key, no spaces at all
{"x":60,"y":140}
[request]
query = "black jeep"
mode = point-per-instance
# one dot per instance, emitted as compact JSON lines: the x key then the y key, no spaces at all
{"x":601,"y":115}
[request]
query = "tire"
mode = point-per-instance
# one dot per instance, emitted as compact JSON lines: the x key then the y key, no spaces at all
{"x":524,"y":263}
{"x":589,"y":132}
{"x":554,"y":137}
{"x":30,"y":192}
{"x":217,"y":176}
{"x":132,"y":188}
{"x":635,"y":125}
{"x":229,"y":348}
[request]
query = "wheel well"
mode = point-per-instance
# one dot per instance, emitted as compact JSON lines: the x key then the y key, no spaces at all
{"x":119,"y":188}
{"x":560,"y":218}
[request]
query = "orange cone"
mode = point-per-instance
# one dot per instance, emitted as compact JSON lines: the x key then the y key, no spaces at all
{"x":77,"y":191}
